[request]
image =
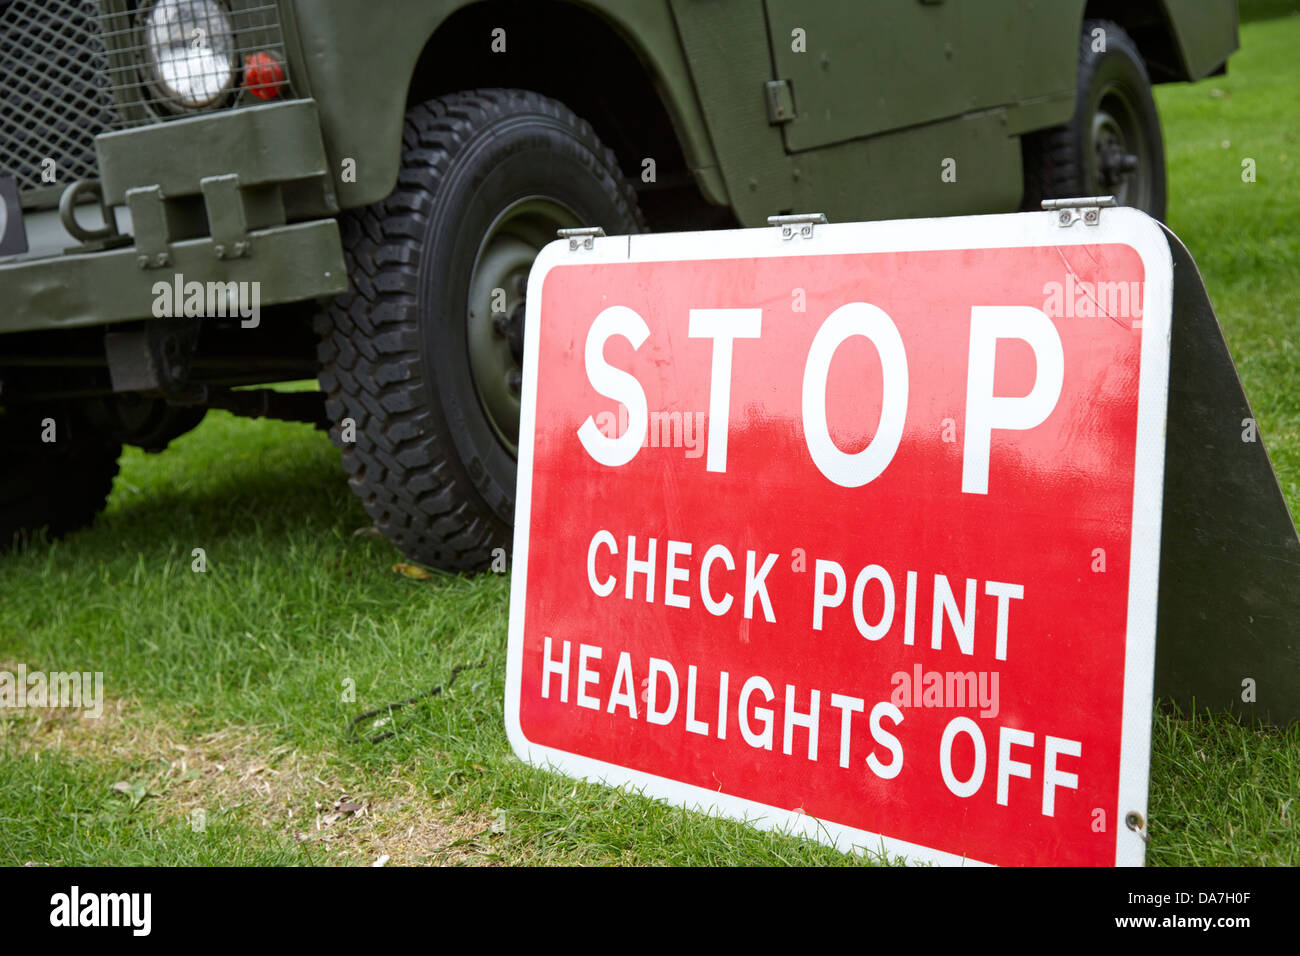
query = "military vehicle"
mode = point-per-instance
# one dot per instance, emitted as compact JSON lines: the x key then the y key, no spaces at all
{"x":207,"y":195}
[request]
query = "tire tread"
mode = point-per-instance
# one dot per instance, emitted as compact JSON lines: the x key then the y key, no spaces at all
{"x":403,"y":465}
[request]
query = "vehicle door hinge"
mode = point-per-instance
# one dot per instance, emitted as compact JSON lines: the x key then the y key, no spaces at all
{"x":780,"y":102}
{"x":586,"y":234}
{"x":1087,"y":208}
{"x":798,"y":224}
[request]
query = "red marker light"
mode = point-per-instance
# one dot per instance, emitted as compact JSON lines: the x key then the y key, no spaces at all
{"x":263,"y":75}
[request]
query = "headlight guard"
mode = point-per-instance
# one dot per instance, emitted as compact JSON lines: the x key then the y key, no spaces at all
{"x":190,"y":51}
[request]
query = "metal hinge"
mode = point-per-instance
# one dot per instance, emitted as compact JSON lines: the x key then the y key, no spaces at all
{"x":149,"y":224}
{"x":1087,"y":208}
{"x":587,"y":234}
{"x":780,"y":101}
{"x":799,"y":224}
{"x":227,"y":220}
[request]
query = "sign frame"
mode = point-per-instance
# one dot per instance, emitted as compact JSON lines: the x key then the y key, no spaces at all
{"x":1035,"y":229}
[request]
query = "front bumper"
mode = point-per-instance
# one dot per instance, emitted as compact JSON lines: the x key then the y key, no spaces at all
{"x":291,"y":263}
{"x":233,"y":172}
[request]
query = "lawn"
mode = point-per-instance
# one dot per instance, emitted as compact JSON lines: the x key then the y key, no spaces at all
{"x":226,"y":737}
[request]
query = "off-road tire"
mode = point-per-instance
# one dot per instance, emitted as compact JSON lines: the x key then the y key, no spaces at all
{"x":58,"y":486}
{"x":394,"y":358}
{"x":1059,"y":162}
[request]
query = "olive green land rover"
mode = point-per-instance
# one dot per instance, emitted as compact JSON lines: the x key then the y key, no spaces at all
{"x":206,"y":195}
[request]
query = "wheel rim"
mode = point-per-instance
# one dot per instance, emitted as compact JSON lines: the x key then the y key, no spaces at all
{"x":497,"y":299}
{"x":1121,"y":157}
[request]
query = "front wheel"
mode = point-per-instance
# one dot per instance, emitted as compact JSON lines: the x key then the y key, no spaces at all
{"x":421,"y":361}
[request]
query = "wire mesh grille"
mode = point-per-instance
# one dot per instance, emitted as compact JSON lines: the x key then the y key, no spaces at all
{"x":169,"y":59}
{"x":72,"y":69}
{"x":55,"y":93}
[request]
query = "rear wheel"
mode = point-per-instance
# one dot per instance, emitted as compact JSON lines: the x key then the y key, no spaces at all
{"x":1112,"y":146}
{"x":56,"y":470}
{"x":421,"y":361}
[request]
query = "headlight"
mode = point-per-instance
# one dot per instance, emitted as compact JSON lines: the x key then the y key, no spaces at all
{"x":191,"y":49}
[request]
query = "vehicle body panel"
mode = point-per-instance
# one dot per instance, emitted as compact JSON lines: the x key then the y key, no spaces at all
{"x":868,"y":177}
{"x":1205,"y":32}
{"x":852,"y":76}
{"x":871,"y":137}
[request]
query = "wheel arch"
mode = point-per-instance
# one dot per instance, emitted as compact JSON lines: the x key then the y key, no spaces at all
{"x":620,"y":67}
{"x":1177,"y":39}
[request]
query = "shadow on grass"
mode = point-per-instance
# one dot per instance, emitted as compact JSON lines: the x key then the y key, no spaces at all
{"x":227,"y":483}
{"x":303,"y":496}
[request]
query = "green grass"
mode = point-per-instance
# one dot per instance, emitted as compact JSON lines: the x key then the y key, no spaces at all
{"x":1243,"y":235}
{"x":246,"y":665}
{"x":65,"y":811}
{"x":292,"y":605}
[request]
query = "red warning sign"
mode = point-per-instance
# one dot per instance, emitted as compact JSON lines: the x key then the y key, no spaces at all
{"x":855,"y":535}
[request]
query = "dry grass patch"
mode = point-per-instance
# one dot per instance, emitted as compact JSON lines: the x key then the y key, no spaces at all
{"x":241,"y":772}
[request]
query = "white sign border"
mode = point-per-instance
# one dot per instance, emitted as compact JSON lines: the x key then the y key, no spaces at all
{"x":1117,"y":225}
